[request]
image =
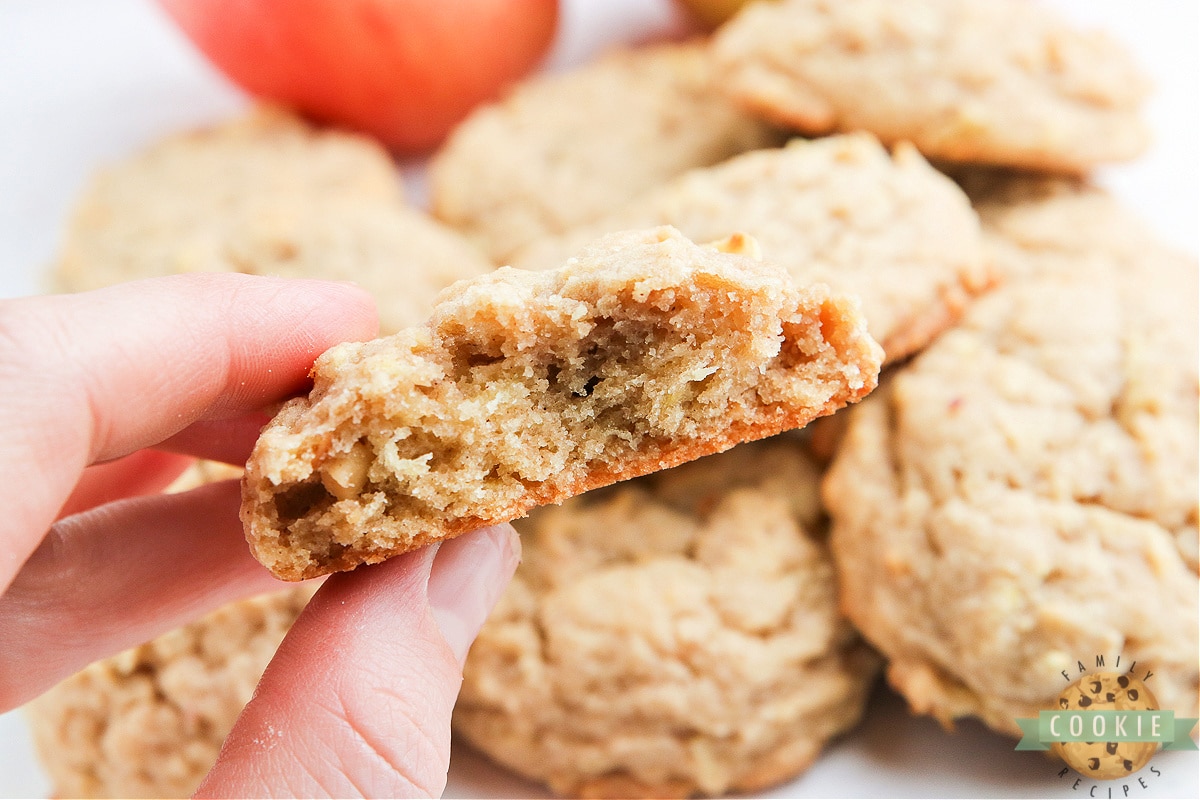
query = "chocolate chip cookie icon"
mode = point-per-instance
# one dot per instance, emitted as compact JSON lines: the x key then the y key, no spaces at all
{"x":1106,"y":691}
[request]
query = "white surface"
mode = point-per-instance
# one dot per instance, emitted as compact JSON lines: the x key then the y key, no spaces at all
{"x":84,"y":82}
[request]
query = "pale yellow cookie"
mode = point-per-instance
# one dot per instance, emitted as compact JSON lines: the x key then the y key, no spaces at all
{"x":201,"y":473}
{"x":981,"y":81}
{"x":1033,"y":223}
{"x":165,"y":209}
{"x":674,"y":635}
{"x":150,"y":721}
{"x":266,"y":194}
{"x":564,"y":149}
{"x":1024,"y":494}
{"x":398,"y":254}
{"x":526,"y":388}
{"x":841,"y":211}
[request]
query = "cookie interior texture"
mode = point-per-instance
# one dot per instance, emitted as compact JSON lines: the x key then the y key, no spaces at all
{"x":673,"y":635}
{"x":1024,"y":494}
{"x":840,"y":211}
{"x":150,"y":721}
{"x":980,"y":81}
{"x":526,"y":388}
{"x":557,"y":153}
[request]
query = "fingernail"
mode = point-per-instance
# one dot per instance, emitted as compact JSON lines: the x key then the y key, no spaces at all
{"x":469,"y":574}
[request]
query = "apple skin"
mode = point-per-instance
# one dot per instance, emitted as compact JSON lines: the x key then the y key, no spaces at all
{"x":405,"y":71}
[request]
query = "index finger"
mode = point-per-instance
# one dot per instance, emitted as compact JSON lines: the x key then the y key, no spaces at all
{"x":95,"y":376}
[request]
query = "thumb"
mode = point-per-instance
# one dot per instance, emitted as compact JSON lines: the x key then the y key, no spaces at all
{"x":357,"y":701}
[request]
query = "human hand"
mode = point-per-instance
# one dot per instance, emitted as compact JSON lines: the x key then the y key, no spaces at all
{"x":358,"y":698}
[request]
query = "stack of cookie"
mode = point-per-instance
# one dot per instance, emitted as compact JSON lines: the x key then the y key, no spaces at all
{"x":1020,"y":493}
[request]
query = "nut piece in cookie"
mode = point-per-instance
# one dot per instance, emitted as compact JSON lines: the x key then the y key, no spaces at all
{"x":673,"y":635}
{"x":526,"y":388}
{"x":980,"y":81}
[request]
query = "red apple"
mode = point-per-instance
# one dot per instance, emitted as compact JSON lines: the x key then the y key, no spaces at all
{"x":404,"y":70}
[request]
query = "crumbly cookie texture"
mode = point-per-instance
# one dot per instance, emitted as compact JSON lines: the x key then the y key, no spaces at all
{"x":564,"y":149}
{"x":266,"y":194}
{"x":1024,"y":494}
{"x":528,"y":387}
{"x":674,"y":635}
{"x":981,"y":81}
{"x":150,"y":721}
{"x":840,"y":211}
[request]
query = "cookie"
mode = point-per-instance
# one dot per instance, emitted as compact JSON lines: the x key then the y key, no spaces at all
{"x":403,"y":258}
{"x":528,"y":387}
{"x":979,"y":81}
{"x":566,"y":148}
{"x":165,"y":210}
{"x":1023,"y":495}
{"x":150,"y":721}
{"x":1034,"y":224}
{"x":669,"y":636}
{"x":267,"y":195}
{"x":838,"y":211}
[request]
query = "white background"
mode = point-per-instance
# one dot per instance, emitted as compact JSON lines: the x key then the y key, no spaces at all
{"x":85,"y":82}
